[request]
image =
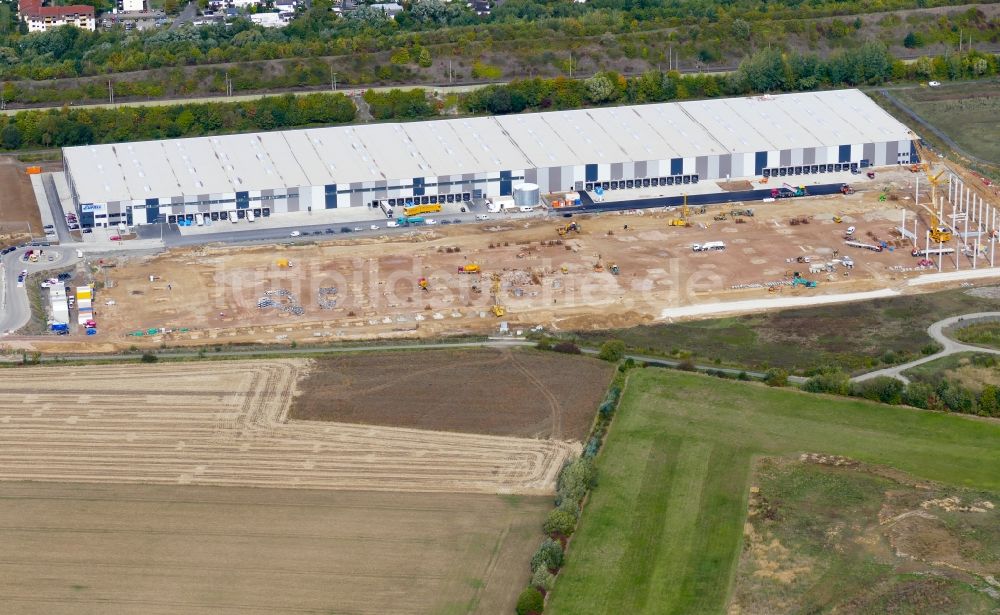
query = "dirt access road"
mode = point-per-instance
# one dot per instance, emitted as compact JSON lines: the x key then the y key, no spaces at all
{"x":225,"y":424}
{"x":159,"y":550}
{"x":18,"y":208}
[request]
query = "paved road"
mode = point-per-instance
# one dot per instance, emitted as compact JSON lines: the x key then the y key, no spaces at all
{"x":14,"y":308}
{"x":187,"y":15}
{"x":58,"y":217}
{"x":936,"y":331}
{"x":713,"y":198}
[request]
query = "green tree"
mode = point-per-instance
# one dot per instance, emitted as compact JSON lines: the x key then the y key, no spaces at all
{"x":912,"y":41}
{"x":148,"y":357}
{"x":600,"y":89}
{"x":543,"y":580}
{"x":560,"y":522}
{"x":612,"y":351}
{"x":424,"y":57}
{"x":549,"y":556}
{"x":741,"y":29}
{"x":882,"y":388}
{"x":10,"y":137}
{"x":530,"y":602}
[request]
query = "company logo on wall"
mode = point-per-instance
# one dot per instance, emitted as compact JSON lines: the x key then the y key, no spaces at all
{"x":91,"y":207}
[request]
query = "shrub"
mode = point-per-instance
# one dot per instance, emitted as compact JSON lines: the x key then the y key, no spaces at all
{"x":576,"y":478}
{"x":549,"y":556}
{"x":918,"y":395}
{"x":561,"y":522}
{"x":530,"y":602}
{"x":835,"y":382}
{"x":543,"y":580}
{"x":567,"y":348}
{"x":743,"y":376}
{"x":148,"y":357}
{"x":776,"y":377}
{"x":687,"y":365}
{"x":544,"y":344}
{"x":612,"y":351}
{"x":883,"y":388}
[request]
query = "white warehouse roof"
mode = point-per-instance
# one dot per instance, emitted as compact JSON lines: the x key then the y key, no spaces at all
{"x":380,"y":152}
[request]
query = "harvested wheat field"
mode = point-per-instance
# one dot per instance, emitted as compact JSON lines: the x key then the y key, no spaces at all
{"x":225,"y":423}
{"x":523,"y":393}
{"x":159,"y":550}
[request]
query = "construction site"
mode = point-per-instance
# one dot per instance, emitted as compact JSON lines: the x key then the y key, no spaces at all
{"x":600,"y":270}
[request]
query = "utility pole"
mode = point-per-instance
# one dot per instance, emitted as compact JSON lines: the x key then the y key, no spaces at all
{"x":111,"y":93}
{"x":570,"y":64}
{"x":333,"y":78}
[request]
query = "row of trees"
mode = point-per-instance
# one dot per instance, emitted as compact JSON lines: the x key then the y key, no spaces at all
{"x":68,"y":126}
{"x":702,"y":29}
{"x":399,"y":104}
{"x":936,"y":392}
{"x":575,"y":481}
{"x":768,"y":70}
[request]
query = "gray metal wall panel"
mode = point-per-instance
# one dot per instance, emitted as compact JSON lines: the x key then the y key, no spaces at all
{"x":809,"y":155}
{"x":640,"y":169}
{"x":891,"y":152}
{"x":293,"y":203}
{"x":725,"y":165}
{"x":785,"y":157}
{"x":868,"y":150}
{"x":531,"y":176}
{"x":616,"y":171}
{"x":555,"y":179}
{"x":701,"y":166}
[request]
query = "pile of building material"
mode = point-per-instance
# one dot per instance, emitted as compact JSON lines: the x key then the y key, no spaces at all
{"x":325,"y":299}
{"x":289,"y":305}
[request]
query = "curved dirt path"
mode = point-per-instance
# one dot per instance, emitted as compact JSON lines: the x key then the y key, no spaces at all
{"x":950,"y":346}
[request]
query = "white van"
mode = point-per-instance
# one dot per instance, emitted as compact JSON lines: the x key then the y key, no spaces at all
{"x":392,"y":224}
{"x":482,"y":217}
{"x":232,"y":217}
{"x":249,"y":216}
{"x":708,"y":247}
{"x":527,"y":209}
{"x":199,"y":220}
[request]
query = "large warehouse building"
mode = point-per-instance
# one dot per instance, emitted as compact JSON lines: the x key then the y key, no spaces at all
{"x":459,"y":159}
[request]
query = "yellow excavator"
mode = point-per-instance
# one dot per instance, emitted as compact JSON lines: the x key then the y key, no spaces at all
{"x":497,"y":309}
{"x":572,"y":227}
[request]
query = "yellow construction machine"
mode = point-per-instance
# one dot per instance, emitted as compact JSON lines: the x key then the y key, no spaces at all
{"x":939,"y":233}
{"x":497,"y":309}
{"x":683,"y":220}
{"x":572,"y":227}
{"x":470,"y":268}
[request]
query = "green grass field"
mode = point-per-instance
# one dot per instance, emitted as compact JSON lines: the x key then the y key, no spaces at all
{"x":966,"y":112}
{"x":981,"y":334}
{"x":663,"y":529}
{"x":853,"y":336}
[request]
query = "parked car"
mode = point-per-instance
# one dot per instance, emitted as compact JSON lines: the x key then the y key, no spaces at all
{"x":374,"y":227}
{"x":115,"y":238}
{"x":48,"y":227}
{"x":345,"y":229}
{"x":934,"y":84}
{"x":294,"y":234}
{"x":329,"y":231}
{"x":88,"y":230}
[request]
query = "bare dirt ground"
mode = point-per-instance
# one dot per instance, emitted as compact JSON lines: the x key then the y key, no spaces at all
{"x":498,"y":392}
{"x":157,"y":550}
{"x":18,"y":208}
{"x":225,"y":424}
{"x":827,"y":533}
{"x":214,"y":292}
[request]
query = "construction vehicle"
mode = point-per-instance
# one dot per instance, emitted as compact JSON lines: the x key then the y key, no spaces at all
{"x":403,"y":221}
{"x":741,"y":212}
{"x":497,"y":309}
{"x":719,"y":217}
{"x":838,"y":219}
{"x":786,"y":191}
{"x":846,"y":189}
{"x":932,"y":251}
{"x":939,"y":233}
{"x":422,"y":283}
{"x":874,"y":247}
{"x":470,"y":268}
{"x":798,"y":280}
{"x":613,"y":268}
{"x":572,"y":227}
{"x":683,"y":219}
{"x":427,"y":208}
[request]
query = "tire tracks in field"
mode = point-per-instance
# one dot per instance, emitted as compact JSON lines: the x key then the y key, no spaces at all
{"x":555,"y":408}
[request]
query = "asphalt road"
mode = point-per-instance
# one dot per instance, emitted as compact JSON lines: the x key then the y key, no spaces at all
{"x":58,"y":217}
{"x":693,"y":199}
{"x":14,"y":308}
{"x":950,"y":346}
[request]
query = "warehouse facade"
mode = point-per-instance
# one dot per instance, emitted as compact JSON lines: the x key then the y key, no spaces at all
{"x":460,"y":159}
